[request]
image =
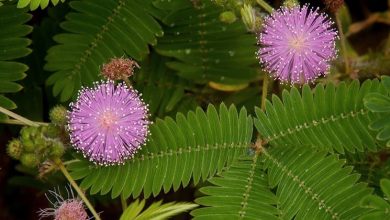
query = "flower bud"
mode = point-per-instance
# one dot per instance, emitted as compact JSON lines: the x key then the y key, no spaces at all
{"x":290,"y":3}
{"x":227,"y":17}
{"x":248,"y":17}
{"x":25,"y":133}
{"x":52,"y":131}
{"x":58,"y":115}
{"x":57,"y":149}
{"x":28,"y":146}
{"x":29,"y":160}
{"x":15,"y":149}
{"x":40,"y":143}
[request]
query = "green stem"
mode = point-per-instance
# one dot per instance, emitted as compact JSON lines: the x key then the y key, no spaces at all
{"x":70,"y":162}
{"x":265,"y":5}
{"x":77,"y":188}
{"x":123,"y":202}
{"x":19,"y":118}
{"x":343,"y":43}
{"x":17,"y":122}
{"x":264,"y":92}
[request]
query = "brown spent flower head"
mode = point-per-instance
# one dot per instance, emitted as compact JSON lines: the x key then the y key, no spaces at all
{"x":333,"y":5}
{"x":119,"y":68}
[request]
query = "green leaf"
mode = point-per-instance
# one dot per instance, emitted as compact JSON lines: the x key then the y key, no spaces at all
{"x":239,"y":192}
{"x":97,"y":31}
{"x":385,"y":186}
{"x":205,"y":48}
{"x":194,"y":146}
{"x":13,"y":45}
{"x":156,"y":211}
{"x":386,"y":82}
{"x":331,"y":118}
{"x":377,"y":102}
{"x":34,"y":4}
{"x":372,"y":201}
{"x":160,"y":87}
{"x":380,"y":103}
{"x":6,"y":102}
{"x":313,"y":185}
{"x":380,"y":207}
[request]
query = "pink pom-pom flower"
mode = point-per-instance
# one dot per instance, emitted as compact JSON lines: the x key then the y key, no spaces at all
{"x":108,"y":123}
{"x":297,"y":44}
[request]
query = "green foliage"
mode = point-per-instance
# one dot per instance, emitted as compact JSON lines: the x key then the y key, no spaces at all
{"x":309,"y":185}
{"x":240,"y":192}
{"x":156,"y":211}
{"x":331,"y":118}
{"x":380,"y":207}
{"x":96,"y":31}
{"x":196,"y":146}
{"x":161,"y":88}
{"x":34,"y":4}
{"x":380,"y":103}
{"x":13,"y":45}
{"x":313,"y":185}
{"x":206,"y":49}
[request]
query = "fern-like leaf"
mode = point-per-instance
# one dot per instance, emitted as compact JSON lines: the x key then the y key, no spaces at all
{"x":34,"y":4}
{"x":156,"y":211}
{"x":380,"y":207}
{"x":380,"y":103}
{"x":331,"y":118}
{"x":313,"y":185}
{"x":13,"y":45}
{"x":98,"y":31}
{"x":205,"y":48}
{"x":241,"y":192}
{"x":160,"y":87}
{"x":196,"y":146}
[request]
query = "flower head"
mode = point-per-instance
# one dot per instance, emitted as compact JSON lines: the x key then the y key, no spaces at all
{"x":119,"y":68}
{"x":64,"y":209}
{"x":108,"y":123}
{"x":297,"y":44}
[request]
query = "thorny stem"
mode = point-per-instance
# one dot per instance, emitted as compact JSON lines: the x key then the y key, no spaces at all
{"x":19,"y":118}
{"x":343,"y":43}
{"x":265,"y":5}
{"x":77,"y":188}
{"x":264,"y":92}
{"x":123,"y":202}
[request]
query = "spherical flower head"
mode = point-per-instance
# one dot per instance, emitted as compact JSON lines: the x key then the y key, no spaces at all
{"x":64,"y":209}
{"x":119,"y":68}
{"x":108,"y":123}
{"x":58,"y":115}
{"x":297,"y":44}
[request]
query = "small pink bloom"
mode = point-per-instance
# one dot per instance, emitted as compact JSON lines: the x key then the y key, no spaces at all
{"x":297,"y":44}
{"x":108,"y":123}
{"x":64,"y":209}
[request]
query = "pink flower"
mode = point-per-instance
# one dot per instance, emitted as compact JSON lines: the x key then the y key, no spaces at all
{"x":64,"y":209}
{"x":108,"y":123}
{"x":297,"y":44}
